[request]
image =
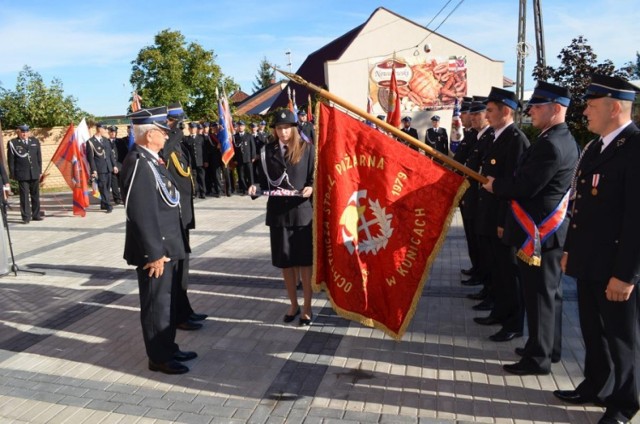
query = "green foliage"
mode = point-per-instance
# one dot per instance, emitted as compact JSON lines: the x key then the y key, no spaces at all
{"x":577,"y":62}
{"x":633,"y":69}
{"x":266,"y":75}
{"x":173,"y":70}
{"x":35,"y":104}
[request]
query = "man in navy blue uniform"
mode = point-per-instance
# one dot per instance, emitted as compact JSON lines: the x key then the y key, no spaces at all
{"x":24,"y":157}
{"x":101,"y":164}
{"x":537,"y":224}
{"x":155,"y":241}
{"x":437,"y":137}
{"x":602,"y":251}
{"x":500,"y":160}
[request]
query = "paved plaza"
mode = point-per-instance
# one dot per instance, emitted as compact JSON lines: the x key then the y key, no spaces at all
{"x":71,"y":347}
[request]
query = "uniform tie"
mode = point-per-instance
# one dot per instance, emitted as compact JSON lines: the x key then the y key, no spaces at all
{"x":597,"y":146}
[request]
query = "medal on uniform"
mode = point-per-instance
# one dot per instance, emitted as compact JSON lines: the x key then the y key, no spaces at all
{"x":493,"y":161}
{"x":594,"y":184}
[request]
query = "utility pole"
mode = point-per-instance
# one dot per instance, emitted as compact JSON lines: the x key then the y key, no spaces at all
{"x":288,"y":53}
{"x":523,"y":48}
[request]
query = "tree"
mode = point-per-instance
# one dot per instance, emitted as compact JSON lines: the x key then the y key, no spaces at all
{"x":577,"y":62}
{"x":37,"y":105}
{"x":633,"y":69}
{"x":172,"y":70}
{"x":266,"y":75}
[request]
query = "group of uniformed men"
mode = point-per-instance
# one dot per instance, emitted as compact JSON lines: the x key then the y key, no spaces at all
{"x":548,"y":208}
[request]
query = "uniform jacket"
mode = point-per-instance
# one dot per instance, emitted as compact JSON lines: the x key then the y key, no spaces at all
{"x":288,"y":211}
{"x":499,"y":160}
{"x":307,"y":129}
{"x":473,"y":154}
{"x":245,"y":149}
{"x":24,"y":159}
{"x":176,"y":160}
{"x":195,"y":147}
{"x":114,"y":152}
{"x":466,"y":145}
{"x":604,"y":232}
{"x":438,"y":139}
{"x":122,"y":148}
{"x":541,"y":180}
{"x":153,"y":228}
{"x":261,"y":139}
{"x":99,"y":155}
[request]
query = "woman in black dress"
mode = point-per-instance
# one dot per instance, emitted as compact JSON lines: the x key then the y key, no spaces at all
{"x":287,"y":172}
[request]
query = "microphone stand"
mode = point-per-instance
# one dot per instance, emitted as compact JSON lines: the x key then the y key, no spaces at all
{"x":14,"y":266}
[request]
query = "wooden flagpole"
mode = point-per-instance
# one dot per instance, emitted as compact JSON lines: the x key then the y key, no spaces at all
{"x":389,"y":128}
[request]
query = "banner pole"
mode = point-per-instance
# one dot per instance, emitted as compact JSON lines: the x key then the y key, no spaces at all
{"x":389,"y":128}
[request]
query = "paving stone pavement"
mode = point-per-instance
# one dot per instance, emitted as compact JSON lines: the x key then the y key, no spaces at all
{"x":71,"y":347}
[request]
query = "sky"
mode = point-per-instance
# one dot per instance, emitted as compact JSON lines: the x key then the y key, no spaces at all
{"x":90,"y":45}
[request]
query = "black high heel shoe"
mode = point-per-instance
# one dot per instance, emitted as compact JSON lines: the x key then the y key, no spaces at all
{"x":289,"y":318}
{"x":305,"y":321}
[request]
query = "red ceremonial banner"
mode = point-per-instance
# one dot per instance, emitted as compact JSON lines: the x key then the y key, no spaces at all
{"x":381,"y":212}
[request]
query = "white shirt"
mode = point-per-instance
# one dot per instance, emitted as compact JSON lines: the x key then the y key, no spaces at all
{"x":607,"y":139}
{"x":151,"y":152}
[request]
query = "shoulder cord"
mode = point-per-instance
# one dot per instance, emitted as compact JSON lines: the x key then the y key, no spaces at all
{"x":574,"y":179}
{"x":274,"y":183}
{"x":95,"y":152}
{"x":178,"y":166}
{"x":15,"y":152}
{"x":171,"y":201}
{"x":126,"y":199}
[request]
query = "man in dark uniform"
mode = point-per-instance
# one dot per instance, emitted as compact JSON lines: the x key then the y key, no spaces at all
{"x":537,"y":224}
{"x":307,"y":132}
{"x":155,"y":241}
{"x":478,"y":138}
{"x":115,"y":180}
{"x":602,"y":251}
{"x":25,"y":166}
{"x":437,"y":137}
{"x":500,"y":160}
{"x":195,"y":145}
{"x":176,"y":160}
{"x":410,"y":131}
{"x":101,"y":164}
{"x":245,"y":155}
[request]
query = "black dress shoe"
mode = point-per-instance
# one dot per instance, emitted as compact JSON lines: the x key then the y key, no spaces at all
{"x":202,"y":196}
{"x":197,"y":317}
{"x":471,"y":282}
{"x":576,"y":398}
{"x":525,"y":368}
{"x":468,"y":272}
{"x":485,"y":305}
{"x":169,"y":367}
{"x":306,"y":321}
{"x":109,"y":210}
{"x":182,"y":356}
{"x":504,"y":336}
{"x":520,"y":352}
{"x":289,"y":318}
{"x":487,"y":320}
{"x":481,"y":295}
{"x":189,"y":325}
{"x":37,"y":218}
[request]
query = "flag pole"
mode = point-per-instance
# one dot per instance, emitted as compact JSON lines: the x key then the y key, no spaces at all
{"x":382,"y":124}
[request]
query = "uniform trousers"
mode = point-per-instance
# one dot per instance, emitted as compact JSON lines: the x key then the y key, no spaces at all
{"x":157,"y":312}
{"x":245,"y":176}
{"x":542,"y":291}
{"x":200,"y":181}
{"x":468,"y":223}
{"x":610,"y":333}
{"x":506,"y":291}
{"x":29,"y":189}
{"x":104,"y":186}
{"x":115,"y":188}
{"x":183,"y":306}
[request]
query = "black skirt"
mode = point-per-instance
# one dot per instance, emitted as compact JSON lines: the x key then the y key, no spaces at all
{"x":291,"y":246}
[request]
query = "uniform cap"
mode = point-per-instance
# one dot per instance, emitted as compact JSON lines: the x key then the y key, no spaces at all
{"x":435,"y":118}
{"x":550,"y":93}
{"x":406,"y":119}
{"x":283,"y":117}
{"x":23,"y":127}
{"x":155,"y":115}
{"x":506,"y":97}
{"x":175,"y":111}
{"x":613,"y":87}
